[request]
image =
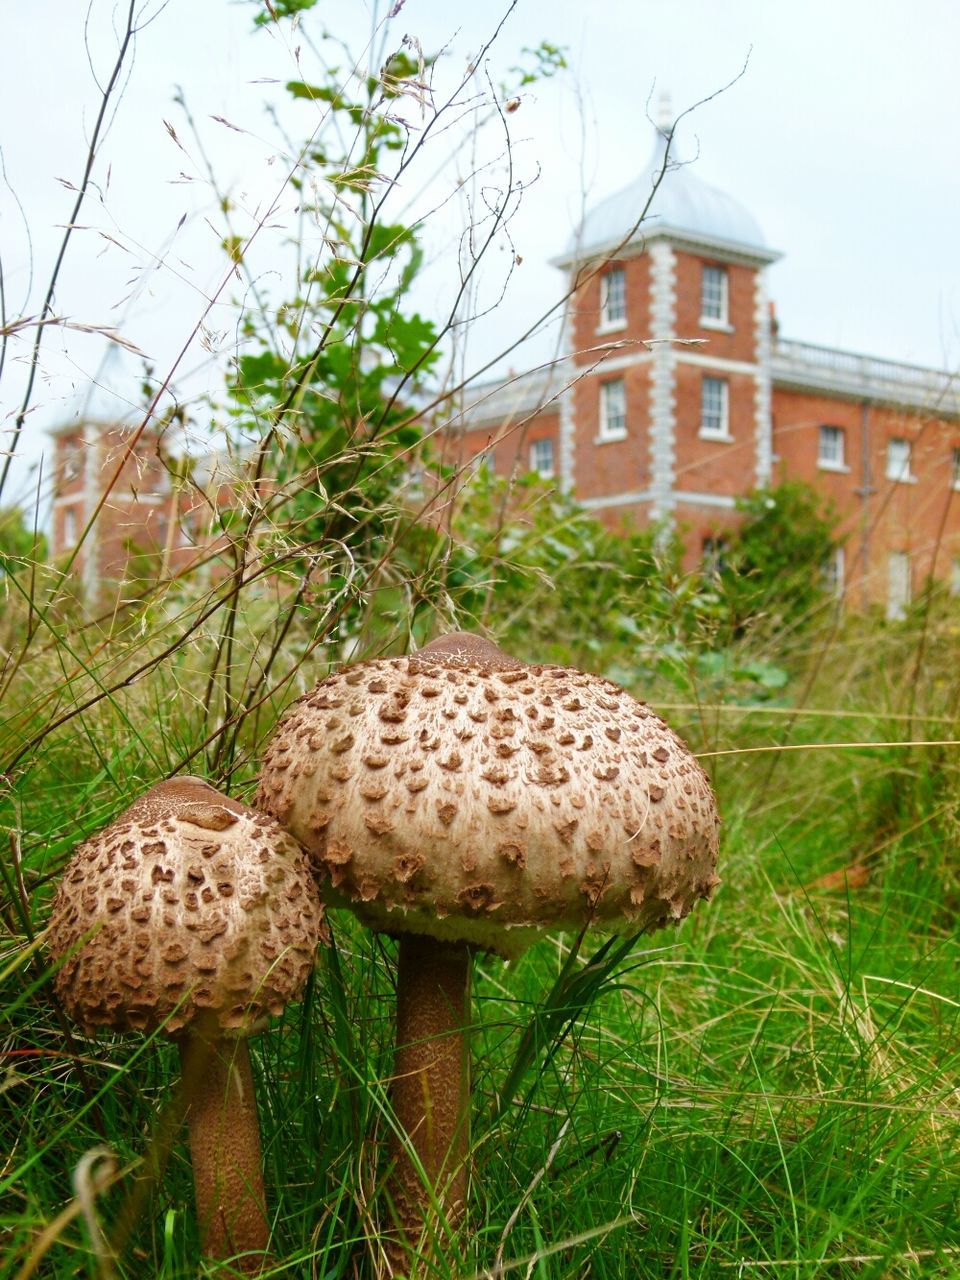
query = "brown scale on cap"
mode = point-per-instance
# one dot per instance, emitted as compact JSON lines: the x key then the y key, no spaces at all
{"x":541,"y":774}
{"x":186,"y":882}
{"x":463,"y":649}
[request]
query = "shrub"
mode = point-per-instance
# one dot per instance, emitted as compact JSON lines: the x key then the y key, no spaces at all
{"x":772,"y":572}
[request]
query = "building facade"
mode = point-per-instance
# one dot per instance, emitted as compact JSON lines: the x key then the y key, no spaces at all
{"x":678,"y":395}
{"x":126,"y":511}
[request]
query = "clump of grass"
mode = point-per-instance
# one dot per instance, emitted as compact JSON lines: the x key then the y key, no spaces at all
{"x":772,"y":1090}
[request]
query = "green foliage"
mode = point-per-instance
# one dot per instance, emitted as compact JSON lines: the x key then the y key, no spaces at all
{"x":772,"y":566}
{"x":683,"y":1105}
{"x":20,"y":545}
{"x":333,"y":370}
{"x":541,"y":63}
{"x":565,"y":588}
{"x":562,"y":586}
{"x":908,"y":676}
{"x":274,"y":10}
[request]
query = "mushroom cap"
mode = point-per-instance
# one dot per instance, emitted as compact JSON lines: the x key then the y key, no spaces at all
{"x":465,"y":795}
{"x":189,"y":906}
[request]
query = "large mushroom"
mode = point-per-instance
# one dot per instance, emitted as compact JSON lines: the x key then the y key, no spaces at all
{"x":462,"y":799}
{"x":194,"y":915}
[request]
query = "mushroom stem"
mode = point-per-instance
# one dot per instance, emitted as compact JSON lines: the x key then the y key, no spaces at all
{"x":225,"y":1149}
{"x":430,"y":1094}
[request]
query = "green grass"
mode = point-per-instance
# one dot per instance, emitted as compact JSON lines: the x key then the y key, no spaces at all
{"x":771,"y":1091}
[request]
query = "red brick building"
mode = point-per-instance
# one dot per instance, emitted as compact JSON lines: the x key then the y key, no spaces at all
{"x":153,"y":522}
{"x":678,"y":395}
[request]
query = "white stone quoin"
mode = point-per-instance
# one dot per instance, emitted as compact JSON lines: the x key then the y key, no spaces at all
{"x":764,"y":389}
{"x":663,"y":407}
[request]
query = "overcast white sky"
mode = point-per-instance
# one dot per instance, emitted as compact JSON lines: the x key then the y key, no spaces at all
{"x":841,"y":138}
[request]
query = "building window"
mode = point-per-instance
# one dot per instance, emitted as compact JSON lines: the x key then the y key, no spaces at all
{"x":72,"y":460}
{"x":613,"y":410}
{"x":714,"y":409}
{"x":613,"y":299}
{"x":541,"y":457}
{"x":70,"y":527}
{"x":713,"y":297}
{"x":898,"y":460}
{"x":955,"y":577}
{"x":955,"y":468}
{"x":831,"y":449}
{"x":898,"y":585}
{"x":834,"y":573}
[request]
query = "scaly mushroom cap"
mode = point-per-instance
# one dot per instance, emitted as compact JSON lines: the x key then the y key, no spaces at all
{"x":462,"y":794}
{"x":195,"y":906}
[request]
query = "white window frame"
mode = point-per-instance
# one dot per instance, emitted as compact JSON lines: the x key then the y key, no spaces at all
{"x":898,"y":468}
{"x":829,"y":456}
{"x":955,"y":468}
{"x":898,"y":585}
{"x":719,"y":414}
{"x":71,"y":526}
{"x":715,"y":292}
{"x":955,"y":576}
{"x":544,"y":469}
{"x":613,"y":409}
{"x":613,"y":300}
{"x":73,"y":459}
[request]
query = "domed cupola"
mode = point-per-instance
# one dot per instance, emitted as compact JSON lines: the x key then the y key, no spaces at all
{"x":684,"y":209}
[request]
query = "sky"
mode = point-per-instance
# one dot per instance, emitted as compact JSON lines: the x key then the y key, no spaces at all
{"x":839,"y":133}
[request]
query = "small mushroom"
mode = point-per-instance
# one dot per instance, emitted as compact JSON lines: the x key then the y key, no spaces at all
{"x":480,"y":802}
{"x":193,"y":914}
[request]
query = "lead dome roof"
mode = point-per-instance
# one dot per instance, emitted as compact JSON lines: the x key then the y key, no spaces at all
{"x":684,"y":208}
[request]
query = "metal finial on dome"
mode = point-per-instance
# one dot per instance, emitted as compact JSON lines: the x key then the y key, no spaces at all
{"x":665,"y":119}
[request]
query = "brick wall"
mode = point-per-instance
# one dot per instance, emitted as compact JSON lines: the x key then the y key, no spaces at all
{"x":918,"y":515}
{"x":587,"y":331}
{"x":740,"y":342}
{"x":715,"y":466}
{"x":147,"y":526}
{"x":506,"y":446}
{"x":604,"y":467}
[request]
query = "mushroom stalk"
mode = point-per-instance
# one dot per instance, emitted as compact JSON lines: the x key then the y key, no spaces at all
{"x":430,"y":1095}
{"x":225,"y":1149}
